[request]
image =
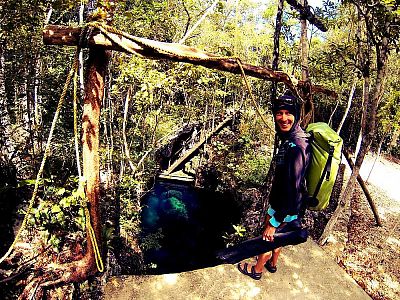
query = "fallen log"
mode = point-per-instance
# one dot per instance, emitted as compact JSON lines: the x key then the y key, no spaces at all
{"x":71,"y":36}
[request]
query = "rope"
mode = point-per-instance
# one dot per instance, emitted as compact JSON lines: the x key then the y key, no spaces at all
{"x":81,"y":192}
{"x":251,"y":94}
{"x":78,"y":165}
{"x":92,"y":236}
{"x":106,"y":30}
{"x":46,"y":154}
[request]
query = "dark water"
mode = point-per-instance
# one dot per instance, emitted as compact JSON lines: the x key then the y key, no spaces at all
{"x":187,"y":224}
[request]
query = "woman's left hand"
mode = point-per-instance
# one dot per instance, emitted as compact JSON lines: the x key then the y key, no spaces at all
{"x":268,"y":234}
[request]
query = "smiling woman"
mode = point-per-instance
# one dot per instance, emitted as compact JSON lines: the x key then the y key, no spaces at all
{"x":284,"y":119}
{"x":286,"y":112}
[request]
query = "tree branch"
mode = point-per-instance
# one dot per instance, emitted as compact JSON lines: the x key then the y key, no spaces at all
{"x":307,"y":14}
{"x":70,"y":36}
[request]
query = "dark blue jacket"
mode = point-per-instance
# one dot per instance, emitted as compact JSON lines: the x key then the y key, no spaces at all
{"x":288,"y":186}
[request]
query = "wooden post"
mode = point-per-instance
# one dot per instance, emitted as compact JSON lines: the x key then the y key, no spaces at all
{"x":94,"y":92}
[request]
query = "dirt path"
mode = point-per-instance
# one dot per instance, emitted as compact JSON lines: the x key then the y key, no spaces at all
{"x":385,"y":176}
{"x":372,"y":254}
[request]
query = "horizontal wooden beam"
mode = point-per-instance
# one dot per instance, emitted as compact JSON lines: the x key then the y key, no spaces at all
{"x":71,"y":36}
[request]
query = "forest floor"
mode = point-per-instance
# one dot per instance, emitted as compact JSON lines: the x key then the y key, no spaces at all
{"x":369,"y":253}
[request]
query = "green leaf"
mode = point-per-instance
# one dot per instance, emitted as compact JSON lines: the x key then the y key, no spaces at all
{"x":239,"y":229}
{"x":66,"y":201}
{"x":60,"y":192}
{"x":25,"y":182}
{"x":56,"y":209}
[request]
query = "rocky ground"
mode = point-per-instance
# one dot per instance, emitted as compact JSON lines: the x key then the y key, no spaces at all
{"x":371,"y":254}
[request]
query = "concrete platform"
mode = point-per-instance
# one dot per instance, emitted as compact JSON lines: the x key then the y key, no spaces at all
{"x":304,"y":272}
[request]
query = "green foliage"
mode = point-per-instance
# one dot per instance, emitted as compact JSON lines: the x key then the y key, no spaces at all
{"x":129,"y":191}
{"x":165,"y":94}
{"x":151,"y":241}
{"x":239,"y":230}
{"x":59,"y":212}
{"x":243,"y":158}
{"x":252,"y":170}
{"x":238,"y":234}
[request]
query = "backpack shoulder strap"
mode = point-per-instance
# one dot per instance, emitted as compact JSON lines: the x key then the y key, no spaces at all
{"x":326,"y":172}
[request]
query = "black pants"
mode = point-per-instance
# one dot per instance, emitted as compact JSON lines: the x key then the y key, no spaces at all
{"x":290,"y":234}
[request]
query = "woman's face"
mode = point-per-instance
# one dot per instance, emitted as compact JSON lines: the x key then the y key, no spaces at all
{"x":284,"y":119}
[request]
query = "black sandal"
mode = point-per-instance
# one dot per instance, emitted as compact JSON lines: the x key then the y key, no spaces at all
{"x":270,"y":267}
{"x":253,"y":274}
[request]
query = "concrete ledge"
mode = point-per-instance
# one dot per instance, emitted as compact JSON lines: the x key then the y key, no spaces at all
{"x":304,"y":272}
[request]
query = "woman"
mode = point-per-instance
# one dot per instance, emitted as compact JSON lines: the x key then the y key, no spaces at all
{"x":286,"y":201}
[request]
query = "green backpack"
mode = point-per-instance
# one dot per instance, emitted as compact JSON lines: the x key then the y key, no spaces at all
{"x":326,"y":150}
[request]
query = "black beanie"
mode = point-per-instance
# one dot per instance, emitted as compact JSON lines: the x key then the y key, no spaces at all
{"x":288,"y":102}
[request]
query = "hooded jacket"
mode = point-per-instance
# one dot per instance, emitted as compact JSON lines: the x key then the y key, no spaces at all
{"x":288,"y":186}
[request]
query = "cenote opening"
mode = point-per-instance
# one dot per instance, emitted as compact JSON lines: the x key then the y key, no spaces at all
{"x":183,"y":226}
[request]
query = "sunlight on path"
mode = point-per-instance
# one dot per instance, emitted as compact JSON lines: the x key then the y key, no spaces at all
{"x":385,"y":175}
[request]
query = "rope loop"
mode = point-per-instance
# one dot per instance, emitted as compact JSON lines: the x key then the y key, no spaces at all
{"x":92,"y":236}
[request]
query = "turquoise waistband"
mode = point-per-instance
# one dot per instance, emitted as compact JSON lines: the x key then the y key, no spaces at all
{"x":274,"y":222}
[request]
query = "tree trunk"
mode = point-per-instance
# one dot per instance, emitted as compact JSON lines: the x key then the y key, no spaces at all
{"x":368,"y":127}
{"x":365,"y":101}
{"x":37,"y":103}
{"x":333,"y":113}
{"x":108,"y":122}
{"x":7,"y":145}
{"x":81,"y":75}
{"x":126,"y":147}
{"x":277,"y":34}
{"x":7,"y":149}
{"x":304,"y":45}
{"x":190,"y":31}
{"x":275,"y":64}
{"x":349,"y":101}
{"x":308,"y":107}
{"x":275,"y":55}
{"x":94,"y":92}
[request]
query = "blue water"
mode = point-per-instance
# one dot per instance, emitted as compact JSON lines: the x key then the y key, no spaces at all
{"x":182,"y":226}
